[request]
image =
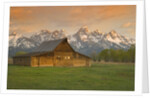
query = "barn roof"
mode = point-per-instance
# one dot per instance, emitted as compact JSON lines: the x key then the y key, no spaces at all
{"x":49,"y":45}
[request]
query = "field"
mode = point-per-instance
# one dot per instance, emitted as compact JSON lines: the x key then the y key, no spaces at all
{"x":100,"y":76}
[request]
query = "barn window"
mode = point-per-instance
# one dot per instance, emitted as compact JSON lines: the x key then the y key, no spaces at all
{"x":67,"y":57}
{"x":58,"y":57}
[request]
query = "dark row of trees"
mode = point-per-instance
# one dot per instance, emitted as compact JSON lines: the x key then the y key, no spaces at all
{"x":112,"y":55}
{"x":20,"y":53}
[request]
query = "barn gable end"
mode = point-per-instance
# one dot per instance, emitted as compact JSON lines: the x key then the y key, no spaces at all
{"x":64,"y":46}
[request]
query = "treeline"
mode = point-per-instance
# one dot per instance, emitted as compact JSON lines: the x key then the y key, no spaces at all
{"x":112,"y":55}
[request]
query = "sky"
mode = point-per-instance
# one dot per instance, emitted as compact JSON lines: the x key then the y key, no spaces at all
{"x":30,"y":20}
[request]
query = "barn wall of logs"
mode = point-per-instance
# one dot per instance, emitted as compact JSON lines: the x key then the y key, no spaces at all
{"x":59,"y":59}
{"x":25,"y":61}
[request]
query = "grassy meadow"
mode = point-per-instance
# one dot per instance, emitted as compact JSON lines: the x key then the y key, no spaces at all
{"x":100,"y":76}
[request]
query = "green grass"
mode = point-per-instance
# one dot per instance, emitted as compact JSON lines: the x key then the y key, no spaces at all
{"x":96,"y":77}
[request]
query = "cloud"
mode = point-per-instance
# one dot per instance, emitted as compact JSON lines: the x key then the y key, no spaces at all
{"x":71,"y":18}
{"x":128,"y":25}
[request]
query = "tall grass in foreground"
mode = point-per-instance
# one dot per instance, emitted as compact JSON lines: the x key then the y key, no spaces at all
{"x":97,"y":77}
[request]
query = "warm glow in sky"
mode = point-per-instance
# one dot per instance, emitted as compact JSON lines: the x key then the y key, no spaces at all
{"x":29,"y":20}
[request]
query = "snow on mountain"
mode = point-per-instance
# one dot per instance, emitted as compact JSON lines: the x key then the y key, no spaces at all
{"x":17,"y":40}
{"x":118,"y":39}
{"x":85,"y":35}
{"x":13,"y":37}
{"x":45,"y":35}
{"x":25,"y":42}
{"x":113,"y":37}
{"x":83,"y":41}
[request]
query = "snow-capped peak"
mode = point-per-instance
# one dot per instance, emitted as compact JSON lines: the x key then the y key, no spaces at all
{"x":13,"y":34}
{"x":62,"y":30}
{"x":113,"y":33}
{"x":45,"y":35}
{"x":17,"y":40}
{"x":83,"y":29}
{"x":13,"y":37}
{"x":116,"y":38}
{"x":45,"y":31}
{"x":97,"y":31}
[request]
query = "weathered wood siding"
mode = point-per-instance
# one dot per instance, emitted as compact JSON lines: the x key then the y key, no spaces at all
{"x":63,"y":47}
{"x":42,"y":60}
{"x":63,"y":55}
{"x":34,"y":61}
{"x":80,"y":60}
{"x":22,"y":61}
{"x":46,"y":61}
{"x":63,"y":59}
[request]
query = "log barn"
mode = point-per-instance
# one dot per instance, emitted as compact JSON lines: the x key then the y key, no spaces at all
{"x":53,"y":53}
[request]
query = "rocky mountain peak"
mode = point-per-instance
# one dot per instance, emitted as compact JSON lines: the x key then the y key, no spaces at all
{"x":44,"y":31}
{"x":113,"y":33}
{"x":62,"y":30}
{"x":83,"y":29}
{"x":97,"y":31}
{"x":13,"y":34}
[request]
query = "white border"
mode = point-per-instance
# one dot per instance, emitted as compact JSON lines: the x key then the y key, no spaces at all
{"x":139,"y":48}
{"x":147,"y":20}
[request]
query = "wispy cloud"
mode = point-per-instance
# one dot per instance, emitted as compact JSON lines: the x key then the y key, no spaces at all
{"x":31,"y":19}
{"x":128,"y":24}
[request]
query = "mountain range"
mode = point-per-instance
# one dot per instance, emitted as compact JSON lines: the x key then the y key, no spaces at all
{"x":83,"y":41}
